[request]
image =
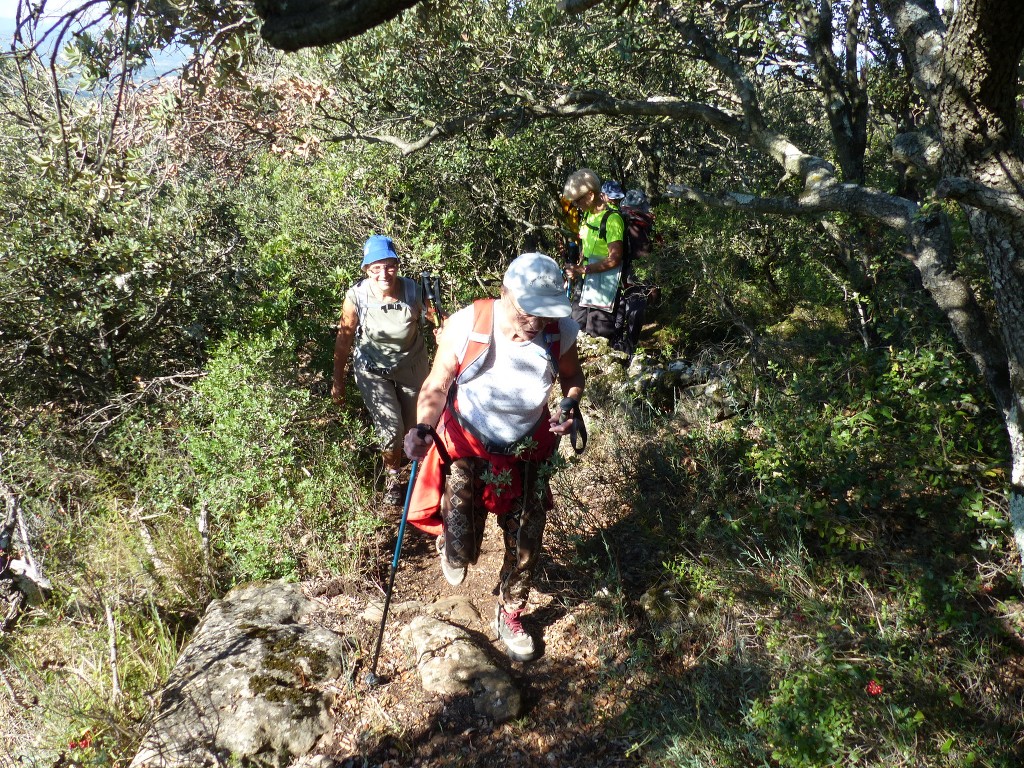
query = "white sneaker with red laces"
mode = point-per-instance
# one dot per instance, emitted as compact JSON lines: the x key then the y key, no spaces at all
{"x":518,"y":642}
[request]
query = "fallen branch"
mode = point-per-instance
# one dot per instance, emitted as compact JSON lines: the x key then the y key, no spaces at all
{"x":23,"y":571}
{"x":203,"y":524}
{"x":115,"y":683}
{"x":10,"y":690}
{"x":147,"y":541}
{"x":103,"y":418}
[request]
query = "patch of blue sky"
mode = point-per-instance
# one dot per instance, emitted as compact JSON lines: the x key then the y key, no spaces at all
{"x":163,"y":62}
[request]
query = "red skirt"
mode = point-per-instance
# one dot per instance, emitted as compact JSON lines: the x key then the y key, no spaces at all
{"x":425,"y":503}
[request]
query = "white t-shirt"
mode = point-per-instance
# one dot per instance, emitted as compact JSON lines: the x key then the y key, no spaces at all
{"x":505,"y":399}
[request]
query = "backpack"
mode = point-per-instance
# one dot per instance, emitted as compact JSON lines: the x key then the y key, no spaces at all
{"x":638,"y":226}
{"x":637,"y":242}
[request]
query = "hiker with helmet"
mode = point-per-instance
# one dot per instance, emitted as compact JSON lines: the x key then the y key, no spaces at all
{"x":381,"y":319}
{"x":487,"y":396}
{"x":601,"y":234}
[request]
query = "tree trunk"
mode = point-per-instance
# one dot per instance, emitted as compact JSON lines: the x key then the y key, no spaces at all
{"x":1015,"y":426}
{"x":969,"y":74}
{"x":1003,"y":246}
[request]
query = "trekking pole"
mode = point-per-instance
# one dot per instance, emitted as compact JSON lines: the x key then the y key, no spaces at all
{"x":572,"y":256}
{"x":431,"y":284}
{"x":425,"y":286}
{"x":436,"y":298}
{"x":371,"y":678}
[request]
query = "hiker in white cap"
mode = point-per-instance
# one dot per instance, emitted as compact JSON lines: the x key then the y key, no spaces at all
{"x":487,"y":396}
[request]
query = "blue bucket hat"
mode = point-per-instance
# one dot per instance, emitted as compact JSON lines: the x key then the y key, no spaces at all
{"x":612,"y":190}
{"x":377,"y":248}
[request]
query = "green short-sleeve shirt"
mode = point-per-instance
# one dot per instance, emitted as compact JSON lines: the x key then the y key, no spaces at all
{"x":599,"y":289}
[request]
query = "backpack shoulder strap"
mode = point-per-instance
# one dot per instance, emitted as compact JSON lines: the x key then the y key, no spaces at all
{"x":359,"y":298}
{"x":357,"y":290}
{"x":553,"y":343}
{"x":603,"y":232}
{"x":480,"y":336}
{"x":412,"y":295}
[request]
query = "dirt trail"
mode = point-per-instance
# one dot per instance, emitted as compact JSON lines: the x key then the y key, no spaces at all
{"x":576,"y":693}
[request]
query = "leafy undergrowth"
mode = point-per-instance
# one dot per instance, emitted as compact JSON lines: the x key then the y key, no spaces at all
{"x":799,"y":586}
{"x":824,"y":579}
{"x":841,"y":574}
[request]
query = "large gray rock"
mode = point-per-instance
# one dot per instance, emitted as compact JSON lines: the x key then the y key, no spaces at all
{"x":245,"y":684}
{"x":450,"y":661}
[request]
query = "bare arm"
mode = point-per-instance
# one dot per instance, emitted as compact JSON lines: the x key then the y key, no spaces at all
{"x":343,"y":348}
{"x":609,"y":262}
{"x":433,"y":393}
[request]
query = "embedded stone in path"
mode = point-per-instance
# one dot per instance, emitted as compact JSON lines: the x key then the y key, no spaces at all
{"x":245,"y":685}
{"x":452,"y":661}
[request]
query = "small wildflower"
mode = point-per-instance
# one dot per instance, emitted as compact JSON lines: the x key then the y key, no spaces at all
{"x":874,"y":688}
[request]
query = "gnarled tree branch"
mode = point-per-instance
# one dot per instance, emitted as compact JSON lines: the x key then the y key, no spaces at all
{"x":294,"y":24}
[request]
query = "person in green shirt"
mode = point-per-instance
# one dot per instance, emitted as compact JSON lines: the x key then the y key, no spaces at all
{"x":602,"y":231}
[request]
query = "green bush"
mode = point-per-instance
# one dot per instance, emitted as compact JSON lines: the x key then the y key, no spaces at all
{"x":844,"y":442}
{"x":99,"y":295}
{"x":257,"y":467}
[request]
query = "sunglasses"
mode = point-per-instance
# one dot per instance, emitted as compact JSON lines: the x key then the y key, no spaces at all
{"x":526,"y":319}
{"x":576,"y":200}
{"x":380,"y":269}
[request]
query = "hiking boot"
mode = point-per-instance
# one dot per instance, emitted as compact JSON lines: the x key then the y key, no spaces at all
{"x":518,"y":642}
{"x":393,"y":494}
{"x":453,"y":574}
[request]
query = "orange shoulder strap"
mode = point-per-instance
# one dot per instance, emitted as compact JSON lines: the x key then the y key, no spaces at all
{"x":480,"y":336}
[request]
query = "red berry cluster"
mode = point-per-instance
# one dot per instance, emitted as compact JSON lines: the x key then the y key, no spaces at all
{"x":874,"y":688}
{"x":84,"y":743}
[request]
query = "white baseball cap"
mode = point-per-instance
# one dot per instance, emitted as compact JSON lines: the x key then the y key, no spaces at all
{"x":537,"y":284}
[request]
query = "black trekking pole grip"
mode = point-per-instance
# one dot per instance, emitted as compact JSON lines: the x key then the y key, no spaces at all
{"x":436,"y":298}
{"x":428,"y":299}
{"x":565,"y":408}
{"x":446,"y":460}
{"x":431,"y":285}
{"x":570,"y":406}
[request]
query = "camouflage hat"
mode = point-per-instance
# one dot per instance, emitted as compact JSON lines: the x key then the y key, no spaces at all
{"x":636,"y":199}
{"x":612,"y":190}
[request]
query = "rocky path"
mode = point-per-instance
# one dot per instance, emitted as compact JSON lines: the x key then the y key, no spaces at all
{"x":577,"y":695}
